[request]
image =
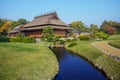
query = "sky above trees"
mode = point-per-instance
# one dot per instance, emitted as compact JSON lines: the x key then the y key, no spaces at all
{"x":87,"y":11}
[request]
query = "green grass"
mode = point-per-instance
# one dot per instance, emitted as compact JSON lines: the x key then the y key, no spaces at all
{"x":114,"y":37}
{"x":114,"y":41}
{"x":85,"y":49}
{"x":27,"y":61}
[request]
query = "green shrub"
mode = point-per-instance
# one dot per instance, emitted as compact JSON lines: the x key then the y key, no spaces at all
{"x":115,"y":43}
{"x":13,"y":40}
{"x":92,"y":36}
{"x":28,"y":40}
{"x":114,"y":37}
{"x":50,"y":38}
{"x":43,"y":39}
{"x":16,"y":39}
{"x":72,"y":44}
{"x":4,"y":39}
{"x":84,"y":37}
{"x":118,"y":32}
{"x":70,"y":39}
{"x":102,"y":35}
{"x":22,"y":39}
{"x":61,"y":41}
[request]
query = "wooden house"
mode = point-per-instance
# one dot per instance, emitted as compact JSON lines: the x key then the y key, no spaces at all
{"x":35,"y":27}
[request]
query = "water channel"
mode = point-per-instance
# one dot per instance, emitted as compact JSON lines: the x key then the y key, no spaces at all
{"x":73,"y":67}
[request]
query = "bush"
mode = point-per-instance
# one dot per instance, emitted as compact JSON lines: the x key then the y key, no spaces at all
{"x":50,"y":38}
{"x":115,"y":43}
{"x":61,"y":41}
{"x":43,"y":39}
{"x":111,"y":30}
{"x":70,"y":39}
{"x":72,"y":44}
{"x":17,"y":39}
{"x":28,"y":40}
{"x":102,"y":35}
{"x":114,"y":37}
{"x":84,"y":37}
{"x":4,"y":39}
{"x":23,"y":39}
{"x":92,"y":36}
{"x":118,"y":32}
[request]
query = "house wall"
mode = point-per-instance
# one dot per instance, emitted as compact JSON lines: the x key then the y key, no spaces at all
{"x":12,"y":34}
{"x":59,"y":32}
{"x":34,"y":33}
{"x":38,"y":33}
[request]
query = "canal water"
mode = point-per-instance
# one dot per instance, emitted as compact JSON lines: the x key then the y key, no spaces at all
{"x":73,"y":67}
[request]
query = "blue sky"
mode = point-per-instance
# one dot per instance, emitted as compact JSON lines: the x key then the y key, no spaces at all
{"x":87,"y":11}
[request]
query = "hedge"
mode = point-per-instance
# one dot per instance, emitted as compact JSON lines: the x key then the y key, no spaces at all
{"x":16,"y":39}
{"x":23,"y":39}
{"x":84,"y":37}
{"x":28,"y":40}
{"x":4,"y":39}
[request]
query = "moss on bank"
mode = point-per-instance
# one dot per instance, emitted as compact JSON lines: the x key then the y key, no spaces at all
{"x":27,"y":61}
{"x":101,"y":60}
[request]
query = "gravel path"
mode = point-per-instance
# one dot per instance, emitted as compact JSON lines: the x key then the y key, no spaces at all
{"x":107,"y":49}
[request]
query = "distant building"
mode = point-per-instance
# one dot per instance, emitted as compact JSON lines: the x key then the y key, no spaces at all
{"x":85,"y":33}
{"x":34,"y":28}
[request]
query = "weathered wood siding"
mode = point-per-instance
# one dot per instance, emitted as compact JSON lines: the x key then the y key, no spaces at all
{"x":13,"y":34}
{"x":58,"y":32}
{"x":34,"y":33}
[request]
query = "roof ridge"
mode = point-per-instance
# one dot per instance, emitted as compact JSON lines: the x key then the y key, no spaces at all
{"x":54,"y":13}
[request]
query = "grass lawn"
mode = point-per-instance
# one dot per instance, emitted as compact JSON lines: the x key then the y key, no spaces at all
{"x":114,"y":37}
{"x":85,"y":49}
{"x":27,"y":61}
{"x":114,"y":41}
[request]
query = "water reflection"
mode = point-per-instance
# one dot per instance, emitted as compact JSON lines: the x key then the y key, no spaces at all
{"x":72,"y":67}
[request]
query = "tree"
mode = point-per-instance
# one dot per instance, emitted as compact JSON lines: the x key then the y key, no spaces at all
{"x":111,"y":30}
{"x":94,"y":28}
{"x":48,"y":33}
{"x":2,"y":21}
{"x":19,"y":22}
{"x":22,"y":21}
{"x":107,"y":24}
{"x":78,"y":25}
{"x":104,"y":26}
{"x":5,"y":28}
{"x":14,"y":24}
{"x":7,"y":25}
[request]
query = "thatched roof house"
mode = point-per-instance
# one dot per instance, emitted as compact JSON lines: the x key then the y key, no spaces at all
{"x":34,"y":28}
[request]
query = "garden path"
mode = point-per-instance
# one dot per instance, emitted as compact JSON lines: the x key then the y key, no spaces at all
{"x":106,"y":48}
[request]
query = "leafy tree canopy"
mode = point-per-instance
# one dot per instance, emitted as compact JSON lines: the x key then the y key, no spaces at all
{"x":48,"y":33}
{"x":78,"y":25}
{"x":22,"y":21}
{"x":111,"y":30}
{"x":94,"y":28}
{"x":48,"y":30}
{"x":110,"y":23}
{"x":7,"y":25}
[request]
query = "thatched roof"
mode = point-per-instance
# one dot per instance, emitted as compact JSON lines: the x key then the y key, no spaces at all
{"x":41,"y":27}
{"x":46,"y":19}
{"x":16,"y":29}
{"x":40,"y":22}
